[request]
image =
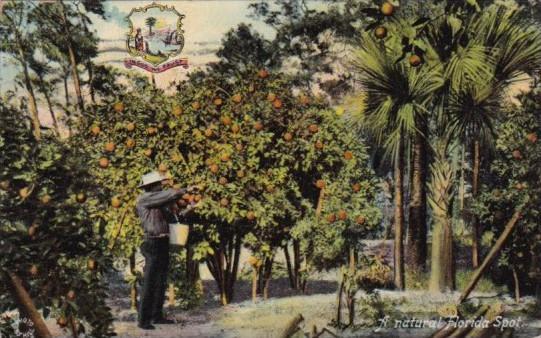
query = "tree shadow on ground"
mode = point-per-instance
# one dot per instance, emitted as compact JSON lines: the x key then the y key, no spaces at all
{"x":278,"y":288}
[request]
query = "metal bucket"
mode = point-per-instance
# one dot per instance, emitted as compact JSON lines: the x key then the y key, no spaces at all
{"x":178,"y":234}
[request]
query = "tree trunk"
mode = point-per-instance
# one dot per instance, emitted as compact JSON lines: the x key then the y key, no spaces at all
{"x":441,"y":270}
{"x":90,"y":79}
{"x":417,"y":228}
{"x":72,"y":60}
{"x":517,"y":285}
{"x":399,"y":218}
{"x":339,"y":307}
{"x":66,"y":92}
{"x":297,"y":263}
{"x":351,"y":297}
{"x":28,"y":84}
{"x":50,"y":106}
{"x":26,"y":305}
{"x":493,"y":253}
{"x":267,"y":277}
{"x":289,"y":267}
{"x":475,"y":192}
{"x":255,"y":278}
{"x":133,"y":290}
{"x":223,"y":265}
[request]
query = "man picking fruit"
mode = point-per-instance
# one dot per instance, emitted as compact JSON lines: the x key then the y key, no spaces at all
{"x":153,"y":210}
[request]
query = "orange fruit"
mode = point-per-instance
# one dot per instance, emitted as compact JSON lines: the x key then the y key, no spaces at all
{"x":517,"y":155}
{"x":224,"y":202}
{"x":263,"y":73}
{"x":71,"y":295}
{"x":271,"y":97}
{"x":197,"y":198}
{"x":356,"y":187}
{"x":118,"y":107}
{"x":532,"y":137}
{"x":152,"y":131}
{"x":208,"y":132}
{"x":342,"y":215}
{"x":235,"y":128}
{"x":104,"y":162}
{"x":177,"y":111}
{"x":380,"y":32}
{"x":288,"y":137}
{"x":237,"y":98}
{"x":4,"y":185}
{"x":387,"y":9}
{"x":32,"y":230}
{"x":318,"y":145}
{"x":313,"y":128}
{"x":277,"y":103}
{"x":240,"y":174}
{"x":226,"y":120}
{"x":250,"y":215}
{"x":62,"y":321}
{"x":348,"y":155}
{"x":148,"y":152}
{"x":360,"y":220}
{"x":196,"y":105}
{"x":214,"y":168}
{"x":130,"y":143}
{"x":217,"y":101}
{"x":115,"y":202}
{"x":162,"y":167}
{"x":45,"y":199}
{"x":81,"y":197}
{"x":24,"y":192}
{"x":238,"y":146}
{"x":91,"y":264}
{"x":270,"y":188}
{"x":225,"y":157}
{"x":258,"y":126}
{"x":320,"y":184}
{"x":304,"y":99}
{"x":130,"y":126}
{"x":415,"y":60}
{"x":222,"y":180}
{"x":186,"y":197}
{"x":95,"y":130}
{"x":109,"y":147}
{"x":33,"y":270}
{"x":331,"y":218}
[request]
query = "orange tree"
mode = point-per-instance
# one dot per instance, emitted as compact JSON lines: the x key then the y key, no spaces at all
{"x":514,"y":180}
{"x":51,"y":256}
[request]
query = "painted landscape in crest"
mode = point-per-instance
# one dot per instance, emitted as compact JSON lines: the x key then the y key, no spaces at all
{"x":333,"y":168}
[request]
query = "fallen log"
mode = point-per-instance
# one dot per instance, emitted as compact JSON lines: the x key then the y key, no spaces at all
{"x":449,"y":329}
{"x":292,"y":326}
{"x":489,"y":330}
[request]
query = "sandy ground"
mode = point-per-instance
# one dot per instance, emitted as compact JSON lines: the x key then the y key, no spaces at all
{"x":245,"y":319}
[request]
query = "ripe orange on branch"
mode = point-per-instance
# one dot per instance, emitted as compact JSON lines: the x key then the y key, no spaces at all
{"x":225,"y":157}
{"x":238,"y":147}
{"x":162,"y":167}
{"x":4,"y":185}
{"x":271,"y":97}
{"x":240,"y":173}
{"x":71,"y":295}
{"x":148,"y":152}
{"x":45,"y":199}
{"x":258,"y":126}
{"x":81,"y":197}
{"x":95,"y":130}
{"x":118,"y":107}
{"x":356,"y":187}
{"x":130,"y":126}
{"x":208,"y":132}
{"x":517,"y":155}
{"x":342,"y":215}
{"x":33,"y":271}
{"x":331,"y":218}
{"x":250,"y":215}
{"x":235,"y":128}
{"x":217,"y":101}
{"x":116,"y":202}
{"x":360,"y":220}
{"x":318,"y":145}
{"x":277,"y":103}
{"x":380,"y":32}
{"x":288,"y":137}
{"x":263,"y":73}
{"x":196,"y":105}
{"x":415,"y":60}
{"x":24,"y":192}
{"x":130,"y":143}
{"x":224,"y":202}
{"x":177,"y":111}
{"x":313,"y":128}
{"x":214,"y":168}
{"x":237,"y":98}
{"x":104,"y":162}
{"x":109,"y":147}
{"x":348,"y":155}
{"x":226,"y":120}
{"x":387,"y":9}
{"x":222,"y":180}
{"x":532,"y":137}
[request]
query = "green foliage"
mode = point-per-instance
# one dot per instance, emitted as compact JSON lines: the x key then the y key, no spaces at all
{"x":188,"y":292}
{"x":47,"y":236}
{"x":514,"y":180}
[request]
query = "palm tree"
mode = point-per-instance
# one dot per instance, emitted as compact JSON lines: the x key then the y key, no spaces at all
{"x":150,"y":22}
{"x":397,"y":96}
{"x":512,"y":46}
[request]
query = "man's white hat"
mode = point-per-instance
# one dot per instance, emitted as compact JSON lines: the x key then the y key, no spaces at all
{"x":152,"y":177}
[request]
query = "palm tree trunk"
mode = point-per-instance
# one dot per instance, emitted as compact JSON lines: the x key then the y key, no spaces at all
{"x":399,"y":279}
{"x":475,"y":192}
{"x":417,"y":228}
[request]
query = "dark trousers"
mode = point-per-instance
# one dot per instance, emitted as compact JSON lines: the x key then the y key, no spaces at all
{"x":156,"y":252}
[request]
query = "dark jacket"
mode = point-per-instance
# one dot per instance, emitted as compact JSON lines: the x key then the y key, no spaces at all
{"x":152,"y":210}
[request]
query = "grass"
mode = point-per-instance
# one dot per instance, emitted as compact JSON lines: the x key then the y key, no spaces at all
{"x":420,"y":280}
